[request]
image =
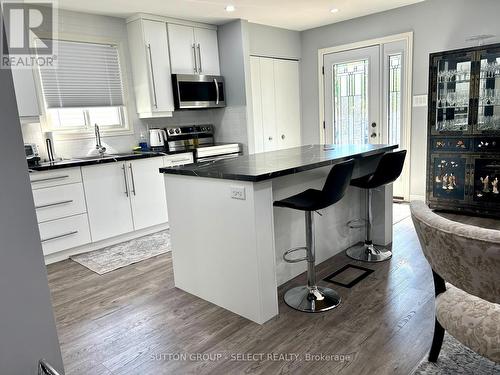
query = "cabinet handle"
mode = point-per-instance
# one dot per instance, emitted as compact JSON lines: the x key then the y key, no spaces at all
{"x":126,"y":179}
{"x":54,"y":204}
{"x":132,"y":177}
{"x":59,"y":236}
{"x":216,"y":91}
{"x":373,"y":135}
{"x":282,"y":136}
{"x":49,"y":178}
{"x":199,"y":56}
{"x":195,"y":60}
{"x":152,"y":75}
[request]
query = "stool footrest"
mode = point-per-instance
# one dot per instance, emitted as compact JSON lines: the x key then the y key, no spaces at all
{"x":356,"y":223}
{"x":295,"y":260}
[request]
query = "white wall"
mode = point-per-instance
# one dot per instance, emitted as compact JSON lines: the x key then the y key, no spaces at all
{"x":27,"y":328}
{"x":438,"y":25}
{"x":269,"y":41}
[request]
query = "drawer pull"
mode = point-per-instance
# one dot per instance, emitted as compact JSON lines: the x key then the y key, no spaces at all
{"x":50,"y":178}
{"x":54,"y":204}
{"x":60,"y":236}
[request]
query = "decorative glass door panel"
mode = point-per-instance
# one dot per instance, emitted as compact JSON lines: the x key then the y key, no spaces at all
{"x":453,"y":87}
{"x":486,"y":180}
{"x":352,"y":96}
{"x":489,"y":92}
{"x":449,"y":177}
{"x":351,"y":102}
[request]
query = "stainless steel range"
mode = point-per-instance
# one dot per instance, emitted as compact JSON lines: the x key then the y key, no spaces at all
{"x":200,"y":139}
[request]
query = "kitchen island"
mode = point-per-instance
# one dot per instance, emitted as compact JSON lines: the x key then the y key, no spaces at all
{"x":228,"y":239}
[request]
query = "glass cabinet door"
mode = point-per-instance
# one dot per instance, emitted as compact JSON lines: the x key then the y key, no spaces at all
{"x":453,"y":93}
{"x":488,"y":117}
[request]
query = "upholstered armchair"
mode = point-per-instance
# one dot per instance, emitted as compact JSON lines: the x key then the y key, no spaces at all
{"x":468,"y":259}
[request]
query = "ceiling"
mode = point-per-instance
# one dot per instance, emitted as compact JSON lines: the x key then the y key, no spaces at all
{"x":289,"y":14}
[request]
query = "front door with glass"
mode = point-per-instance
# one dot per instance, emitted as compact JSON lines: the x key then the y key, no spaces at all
{"x":352,"y":96}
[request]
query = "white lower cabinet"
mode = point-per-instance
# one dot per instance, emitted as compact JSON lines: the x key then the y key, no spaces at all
{"x":148,"y":199}
{"x":107,"y":193}
{"x":65,"y":233}
{"x":127,"y":196}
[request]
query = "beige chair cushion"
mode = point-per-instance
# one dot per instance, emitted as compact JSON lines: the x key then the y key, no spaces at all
{"x":471,"y":320}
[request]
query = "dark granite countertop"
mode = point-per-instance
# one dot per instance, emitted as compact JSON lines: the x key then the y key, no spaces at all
{"x":267,"y":165}
{"x":80,"y":162}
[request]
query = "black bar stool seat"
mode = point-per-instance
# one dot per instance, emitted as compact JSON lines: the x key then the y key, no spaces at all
{"x":313,"y":298}
{"x":388,"y":170}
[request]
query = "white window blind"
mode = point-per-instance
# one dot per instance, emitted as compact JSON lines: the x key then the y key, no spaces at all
{"x":85,"y":75}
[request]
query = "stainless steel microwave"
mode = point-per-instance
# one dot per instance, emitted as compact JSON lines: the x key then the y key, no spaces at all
{"x":193,"y":91}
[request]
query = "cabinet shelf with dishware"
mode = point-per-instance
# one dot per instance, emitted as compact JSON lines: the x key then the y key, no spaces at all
{"x":463,"y":162}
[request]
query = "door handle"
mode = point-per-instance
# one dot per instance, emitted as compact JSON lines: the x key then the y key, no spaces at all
{"x":132,"y":177}
{"x":195,"y":60}
{"x":152,"y":75}
{"x":216,"y":90}
{"x":199,"y":57}
{"x":125,"y":179}
{"x":373,"y":135}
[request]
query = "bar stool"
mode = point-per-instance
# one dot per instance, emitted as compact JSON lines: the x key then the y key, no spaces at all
{"x":388,"y":170}
{"x":313,"y":298}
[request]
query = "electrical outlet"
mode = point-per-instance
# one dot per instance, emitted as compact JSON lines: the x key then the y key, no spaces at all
{"x":238,"y":192}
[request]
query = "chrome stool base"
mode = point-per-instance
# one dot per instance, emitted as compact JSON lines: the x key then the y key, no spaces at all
{"x":315,"y":299}
{"x":369,"y":253}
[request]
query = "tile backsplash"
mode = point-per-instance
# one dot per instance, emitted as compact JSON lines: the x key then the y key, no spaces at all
{"x":229,"y":122}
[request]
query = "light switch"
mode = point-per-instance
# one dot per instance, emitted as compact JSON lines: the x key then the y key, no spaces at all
{"x":420,"y":100}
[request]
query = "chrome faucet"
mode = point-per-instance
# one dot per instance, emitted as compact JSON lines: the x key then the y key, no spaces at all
{"x":98,"y":145}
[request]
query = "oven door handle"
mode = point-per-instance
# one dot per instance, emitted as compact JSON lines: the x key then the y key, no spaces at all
{"x":216,"y":90}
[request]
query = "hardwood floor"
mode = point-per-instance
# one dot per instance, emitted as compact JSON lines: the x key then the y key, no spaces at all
{"x":130,"y":320}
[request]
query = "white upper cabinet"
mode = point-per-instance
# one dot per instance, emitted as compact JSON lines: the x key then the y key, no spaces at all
{"x":208,"y":51}
{"x":148,"y":44}
{"x":26,"y":94}
{"x":183,"y":54}
{"x":276,"y":103}
{"x":193,"y":50}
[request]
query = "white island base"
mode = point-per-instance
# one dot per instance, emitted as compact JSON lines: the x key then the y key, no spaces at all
{"x":229,"y":251}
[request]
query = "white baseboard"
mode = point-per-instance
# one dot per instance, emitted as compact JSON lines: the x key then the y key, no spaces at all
{"x":417,"y":197}
{"x":65,"y":254}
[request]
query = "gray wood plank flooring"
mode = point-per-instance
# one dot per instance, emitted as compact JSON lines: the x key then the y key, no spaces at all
{"x":128,"y":321}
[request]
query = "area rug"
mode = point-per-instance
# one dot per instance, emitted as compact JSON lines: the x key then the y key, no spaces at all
{"x":123,"y":254}
{"x":456,"y":358}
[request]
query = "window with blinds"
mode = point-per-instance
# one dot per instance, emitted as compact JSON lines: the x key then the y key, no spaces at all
{"x":84,"y":88}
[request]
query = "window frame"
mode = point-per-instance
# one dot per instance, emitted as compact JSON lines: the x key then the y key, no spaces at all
{"x":66,"y":133}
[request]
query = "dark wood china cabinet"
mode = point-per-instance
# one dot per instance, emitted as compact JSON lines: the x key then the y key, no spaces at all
{"x":463,"y":158}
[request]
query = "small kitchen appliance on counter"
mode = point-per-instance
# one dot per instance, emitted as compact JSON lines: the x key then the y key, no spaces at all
{"x":32,"y":154}
{"x":157,"y":139}
{"x":200,"y":140}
